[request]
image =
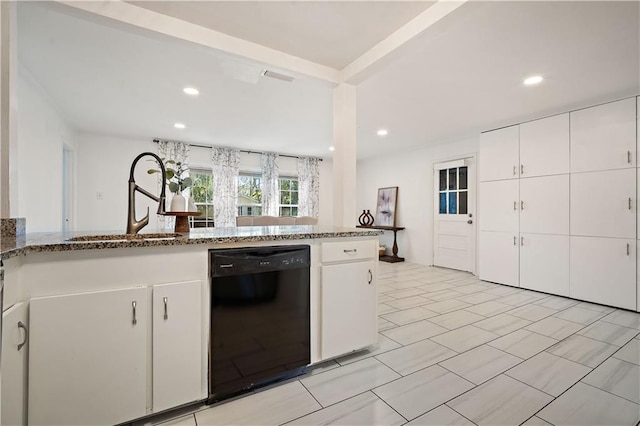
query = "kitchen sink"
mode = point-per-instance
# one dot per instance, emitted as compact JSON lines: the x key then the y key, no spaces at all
{"x":125,"y":237}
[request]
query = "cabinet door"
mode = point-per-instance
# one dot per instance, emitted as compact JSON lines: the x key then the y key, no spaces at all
{"x":87,"y":358}
{"x":604,"y":137}
{"x":544,"y":263}
{"x":499,"y":154}
{"x":544,"y":146}
{"x":544,"y":205}
{"x":499,"y":257}
{"x":177,"y":344}
{"x":498,"y":206}
{"x":603,"y":204}
{"x":603,"y":270}
{"x":14,"y":365}
{"x":348,"y":308}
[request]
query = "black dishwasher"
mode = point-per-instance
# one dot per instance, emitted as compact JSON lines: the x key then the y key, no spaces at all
{"x":260,"y":317}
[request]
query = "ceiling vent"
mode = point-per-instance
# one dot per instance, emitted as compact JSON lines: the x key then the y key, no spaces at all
{"x":277,"y":76}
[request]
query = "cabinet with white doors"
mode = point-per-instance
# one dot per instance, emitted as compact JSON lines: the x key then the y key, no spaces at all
{"x":544,"y":146}
{"x":177,"y":330}
{"x":603,"y":137}
{"x":499,"y":156}
{"x":499,"y":257}
{"x":544,"y":263}
{"x":88,"y":357}
{"x":603,"y":204}
{"x":603,"y":270}
{"x":348,"y":297}
{"x":544,"y":205}
{"x":15,"y":339}
{"x":499,"y":206}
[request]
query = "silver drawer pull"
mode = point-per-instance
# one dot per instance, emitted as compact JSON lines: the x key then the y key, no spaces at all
{"x":628,"y":249}
{"x":134,"y":321}
{"x":350,"y":251}
{"x":521,"y":169}
{"x":166,"y":312}
{"x":26,"y":334}
{"x":629,"y":157}
{"x":370,"y":276}
{"x":521,"y":205}
{"x":522,"y":241}
{"x":630,"y":203}
{"x":228,"y":265}
{"x":515,"y":240}
{"x":514,"y":170}
{"x":515,"y":206}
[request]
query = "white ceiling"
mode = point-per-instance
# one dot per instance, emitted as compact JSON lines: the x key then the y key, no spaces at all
{"x":332,"y":33}
{"x":461,"y":76}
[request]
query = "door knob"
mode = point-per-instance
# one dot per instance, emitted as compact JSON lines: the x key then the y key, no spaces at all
{"x":469,"y":221}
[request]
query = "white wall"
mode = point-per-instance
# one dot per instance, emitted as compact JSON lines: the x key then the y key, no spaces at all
{"x":103,"y":167}
{"x":412,"y":172}
{"x":41,"y":135}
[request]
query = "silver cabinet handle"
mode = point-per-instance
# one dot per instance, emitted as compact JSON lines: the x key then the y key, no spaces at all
{"x":350,"y":251}
{"x":166,"y":312}
{"x":628,"y":249}
{"x":630,"y":203}
{"x":522,"y":241}
{"x":134,"y":321}
{"x":521,"y":169}
{"x":521,"y":205}
{"x":370,"y":277}
{"x":515,"y":206}
{"x":515,"y":240}
{"x":26,"y":334}
{"x":629,"y":157}
{"x":514,"y":170}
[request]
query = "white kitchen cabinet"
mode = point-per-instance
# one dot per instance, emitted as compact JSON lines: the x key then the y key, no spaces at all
{"x":499,"y":254}
{"x":603,"y":204}
{"x":349,"y":300}
{"x":544,"y":205}
{"x":88,"y":357}
{"x":177,"y":359}
{"x":603,"y":137}
{"x":499,"y":206}
{"x":544,"y":263}
{"x":603,"y":270}
{"x":544,"y":146}
{"x":14,"y":365}
{"x":499,"y":154}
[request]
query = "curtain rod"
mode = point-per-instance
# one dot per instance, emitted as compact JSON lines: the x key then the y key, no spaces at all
{"x":242,"y":150}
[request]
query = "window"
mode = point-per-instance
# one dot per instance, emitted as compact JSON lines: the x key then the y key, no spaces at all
{"x":202,"y":193}
{"x":288,"y":196}
{"x":453,"y":191}
{"x":249,"y":195}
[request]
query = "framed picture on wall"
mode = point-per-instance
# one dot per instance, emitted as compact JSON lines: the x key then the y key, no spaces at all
{"x":386,"y":206}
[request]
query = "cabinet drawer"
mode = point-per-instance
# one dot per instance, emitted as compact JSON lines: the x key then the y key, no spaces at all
{"x":348,"y":250}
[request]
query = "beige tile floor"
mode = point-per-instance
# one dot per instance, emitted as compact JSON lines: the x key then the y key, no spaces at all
{"x":454,"y":350}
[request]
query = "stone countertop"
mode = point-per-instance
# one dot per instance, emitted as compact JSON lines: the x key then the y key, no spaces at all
{"x":51,"y":242}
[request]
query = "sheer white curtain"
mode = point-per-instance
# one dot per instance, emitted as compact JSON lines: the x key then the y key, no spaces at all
{"x":308,"y":187}
{"x":178,"y":152}
{"x":269,"y":185}
{"x":226,"y":168}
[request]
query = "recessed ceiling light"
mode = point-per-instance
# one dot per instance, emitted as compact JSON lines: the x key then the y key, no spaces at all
{"x":331,"y":148}
{"x":179,"y":126}
{"x":382,"y":132}
{"x":533,"y":80}
{"x":191,"y":91}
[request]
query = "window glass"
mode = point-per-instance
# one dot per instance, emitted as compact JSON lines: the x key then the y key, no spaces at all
{"x":202,"y":193}
{"x":462,"y":171}
{"x":452,"y":202}
{"x":443,"y":180}
{"x":453,"y":179}
{"x":443,"y":203}
{"x":462,"y":198}
{"x":249,"y":195}
{"x":288,"y":196}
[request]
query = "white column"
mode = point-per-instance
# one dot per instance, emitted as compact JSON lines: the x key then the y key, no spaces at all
{"x":8,"y":125}
{"x":344,"y":155}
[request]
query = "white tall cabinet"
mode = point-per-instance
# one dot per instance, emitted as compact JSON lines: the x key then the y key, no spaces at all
{"x":526,"y":214}
{"x":571,"y":203}
{"x":14,"y":364}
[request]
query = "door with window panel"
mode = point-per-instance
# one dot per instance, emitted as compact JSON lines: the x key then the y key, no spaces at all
{"x":454,"y":227}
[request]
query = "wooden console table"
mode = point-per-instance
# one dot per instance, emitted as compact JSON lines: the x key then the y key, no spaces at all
{"x":394,"y":258}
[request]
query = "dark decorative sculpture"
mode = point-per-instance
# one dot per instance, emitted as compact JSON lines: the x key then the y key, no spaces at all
{"x":366,"y":218}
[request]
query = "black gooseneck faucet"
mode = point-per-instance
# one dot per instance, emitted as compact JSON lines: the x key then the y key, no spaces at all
{"x":133,"y":225}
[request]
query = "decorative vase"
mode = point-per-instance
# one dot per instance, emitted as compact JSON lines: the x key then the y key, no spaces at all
{"x":178,"y":203}
{"x":370,"y":218}
{"x":361,"y":218}
{"x":192,"y":205}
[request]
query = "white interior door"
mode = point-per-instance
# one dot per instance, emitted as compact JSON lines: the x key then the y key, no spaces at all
{"x":454,"y":235}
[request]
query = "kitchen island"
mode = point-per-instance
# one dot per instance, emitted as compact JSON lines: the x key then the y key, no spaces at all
{"x":119,"y":327}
